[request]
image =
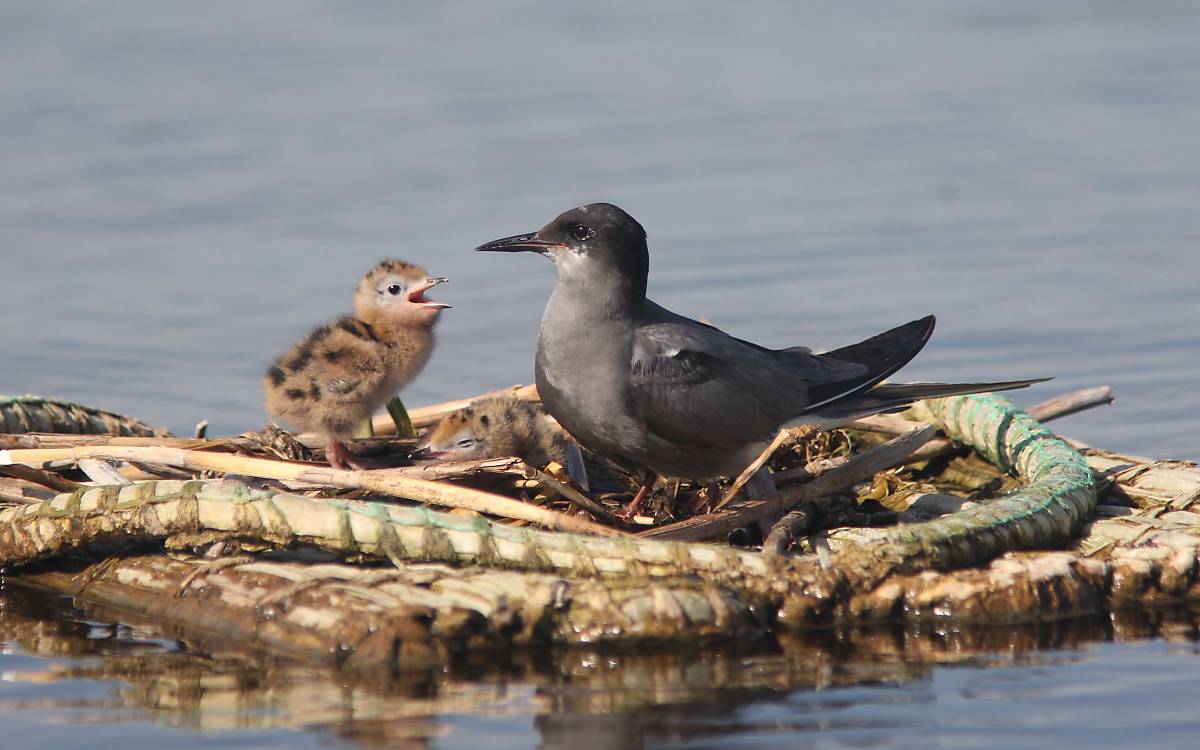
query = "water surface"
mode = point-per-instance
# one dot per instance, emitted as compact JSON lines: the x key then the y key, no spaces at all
{"x":72,"y":676}
{"x":185,"y":191}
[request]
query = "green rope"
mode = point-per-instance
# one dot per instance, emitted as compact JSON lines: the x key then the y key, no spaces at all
{"x":23,"y":414}
{"x":1059,"y":495}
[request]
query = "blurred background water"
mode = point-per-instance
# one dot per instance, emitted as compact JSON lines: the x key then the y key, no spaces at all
{"x":185,"y":189}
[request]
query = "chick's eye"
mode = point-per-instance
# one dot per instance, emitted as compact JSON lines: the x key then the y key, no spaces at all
{"x":393,"y":289}
{"x":582,"y":233}
{"x":466,"y":443}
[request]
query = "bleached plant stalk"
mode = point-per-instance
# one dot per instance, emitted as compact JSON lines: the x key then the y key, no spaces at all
{"x":740,"y":480}
{"x":1060,"y":494}
{"x":858,"y":468}
{"x":426,"y":416}
{"x":1046,"y":411}
{"x":382,"y":480}
{"x":161,"y":509}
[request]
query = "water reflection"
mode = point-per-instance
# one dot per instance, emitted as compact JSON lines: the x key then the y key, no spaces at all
{"x":186,"y":189}
{"x":96,"y":666}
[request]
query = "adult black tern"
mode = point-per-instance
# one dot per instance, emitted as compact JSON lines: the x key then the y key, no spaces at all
{"x":629,"y":378}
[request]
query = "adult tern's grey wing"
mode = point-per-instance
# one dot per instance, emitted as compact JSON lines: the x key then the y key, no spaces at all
{"x":693,"y":384}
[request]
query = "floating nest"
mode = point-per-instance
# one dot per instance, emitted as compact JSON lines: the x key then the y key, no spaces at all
{"x":966,"y":509}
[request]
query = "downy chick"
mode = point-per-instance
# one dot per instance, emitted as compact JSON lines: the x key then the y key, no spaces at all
{"x":505,"y":426}
{"x":334,"y":378}
{"x":496,"y":427}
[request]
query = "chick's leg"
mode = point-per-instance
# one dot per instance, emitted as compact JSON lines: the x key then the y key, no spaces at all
{"x":339,"y":456}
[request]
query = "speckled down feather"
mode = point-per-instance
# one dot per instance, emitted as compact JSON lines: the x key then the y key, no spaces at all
{"x":499,"y":426}
{"x":335,"y":377}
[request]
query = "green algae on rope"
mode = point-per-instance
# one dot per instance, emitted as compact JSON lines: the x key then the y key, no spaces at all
{"x":21,"y":414}
{"x":1059,"y":494}
{"x":396,"y":483}
{"x":163,"y":508}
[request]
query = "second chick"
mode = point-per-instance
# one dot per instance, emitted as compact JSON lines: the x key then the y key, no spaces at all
{"x":506,"y":426}
{"x":494,"y":427}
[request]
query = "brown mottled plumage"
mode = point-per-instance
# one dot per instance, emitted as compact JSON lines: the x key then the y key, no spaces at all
{"x":506,"y":426}
{"x":495,"y":427}
{"x":340,"y":373}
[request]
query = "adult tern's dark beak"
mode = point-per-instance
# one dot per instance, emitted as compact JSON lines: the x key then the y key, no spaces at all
{"x":521,"y":243}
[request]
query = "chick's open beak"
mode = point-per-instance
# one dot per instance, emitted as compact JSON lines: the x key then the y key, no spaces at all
{"x":416,"y":295}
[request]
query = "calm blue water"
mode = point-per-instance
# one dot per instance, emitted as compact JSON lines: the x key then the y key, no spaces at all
{"x":76,"y":679}
{"x":185,"y":190}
